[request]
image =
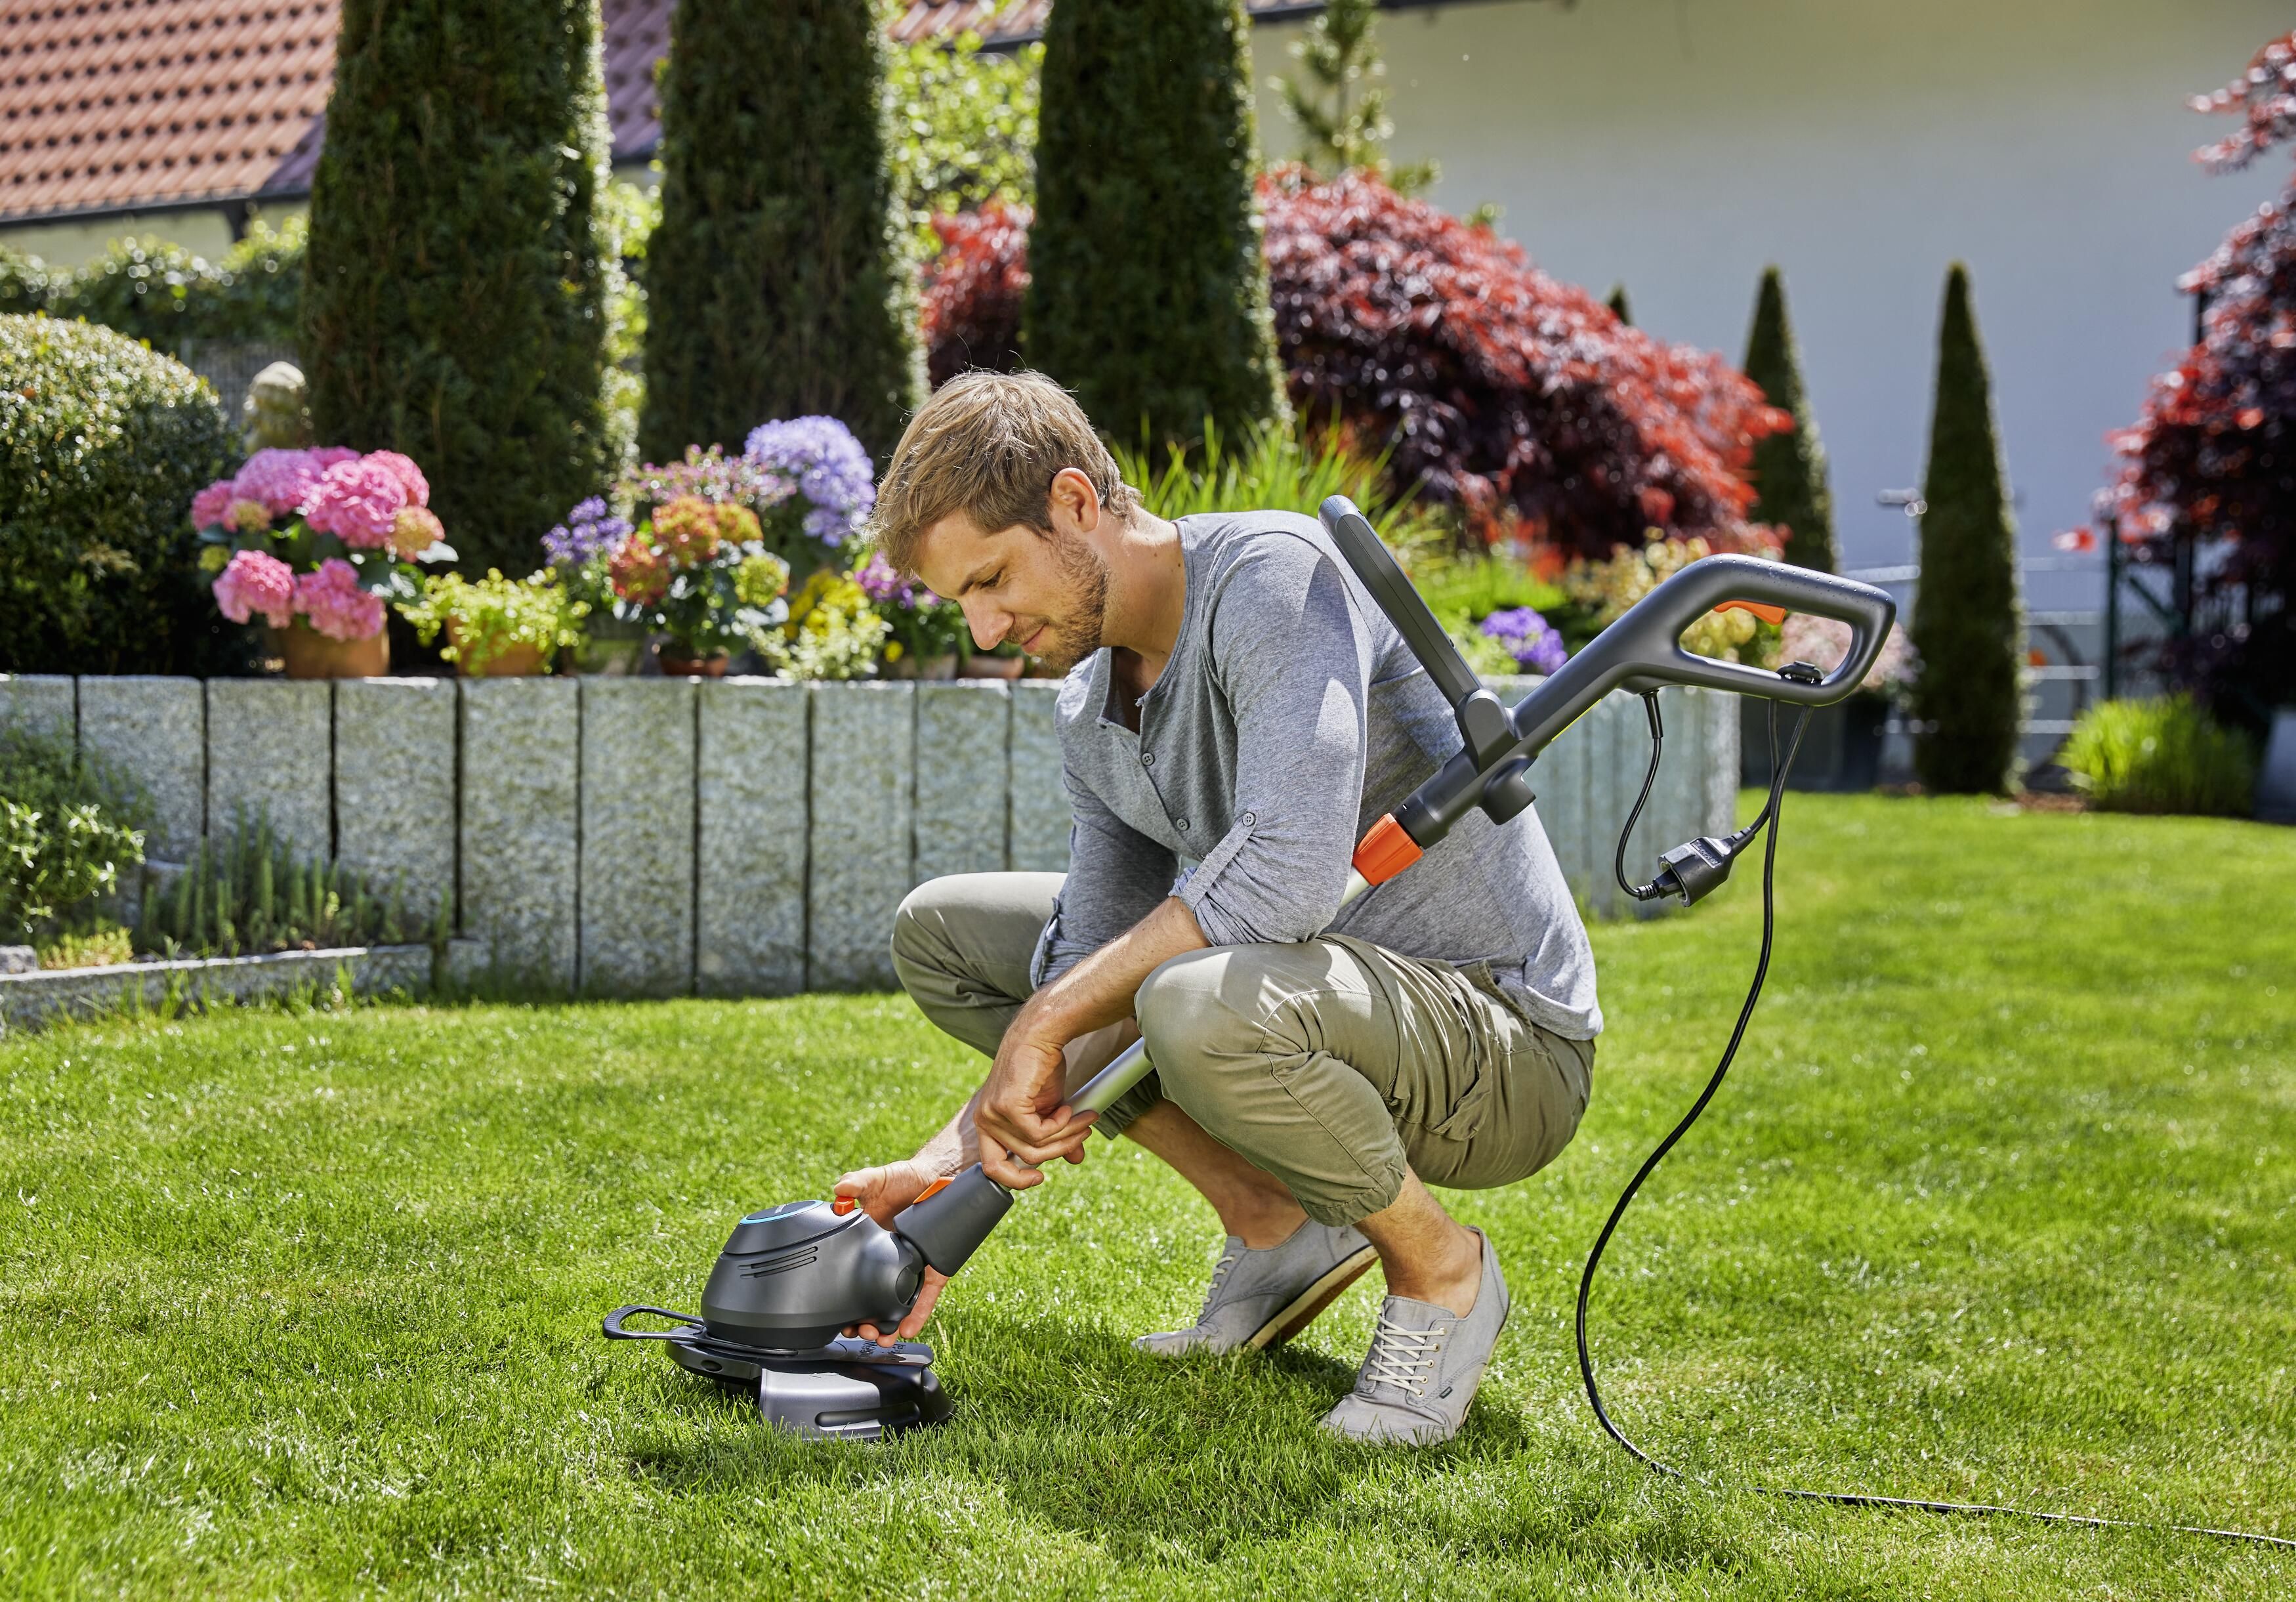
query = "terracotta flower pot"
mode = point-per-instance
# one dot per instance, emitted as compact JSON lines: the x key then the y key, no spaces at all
{"x":310,"y":654}
{"x":943,"y":665}
{"x":674,"y":666}
{"x":993,"y":667}
{"x":517,"y":661}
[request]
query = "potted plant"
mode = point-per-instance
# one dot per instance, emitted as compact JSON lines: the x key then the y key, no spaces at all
{"x":925,"y":634}
{"x":832,"y":631}
{"x":701,"y":551}
{"x":315,"y":542}
{"x":497,"y":627}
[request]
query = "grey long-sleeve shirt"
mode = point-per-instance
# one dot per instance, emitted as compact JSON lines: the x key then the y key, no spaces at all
{"x":1290,"y":718}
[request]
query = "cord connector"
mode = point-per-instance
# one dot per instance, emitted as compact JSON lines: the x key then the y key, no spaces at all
{"x":1695,"y":869}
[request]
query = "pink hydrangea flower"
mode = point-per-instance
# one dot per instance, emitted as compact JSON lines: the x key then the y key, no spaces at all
{"x":335,"y":604}
{"x":415,"y":531}
{"x":211,"y":504}
{"x":403,"y":468}
{"x":324,"y":457}
{"x":280,"y":479}
{"x":357,"y":502}
{"x":253,"y":582}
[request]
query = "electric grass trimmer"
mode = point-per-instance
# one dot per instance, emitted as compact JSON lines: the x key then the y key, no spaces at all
{"x":791,"y":1278}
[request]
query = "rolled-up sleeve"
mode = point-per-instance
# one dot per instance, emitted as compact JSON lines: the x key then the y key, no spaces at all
{"x":1117,"y":876}
{"x":1294,"y":661}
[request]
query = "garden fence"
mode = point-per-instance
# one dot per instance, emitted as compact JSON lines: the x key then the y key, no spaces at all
{"x":742,"y":836}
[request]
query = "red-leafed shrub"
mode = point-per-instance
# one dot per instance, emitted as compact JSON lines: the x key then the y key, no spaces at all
{"x":974,"y":292}
{"x":1522,"y":400}
{"x":2212,"y":459}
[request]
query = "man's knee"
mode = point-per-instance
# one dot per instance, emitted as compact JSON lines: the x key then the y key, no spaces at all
{"x":1199,"y":1010}
{"x":923,"y":949}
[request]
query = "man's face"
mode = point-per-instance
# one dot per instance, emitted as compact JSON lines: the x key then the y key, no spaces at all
{"x":1046,"y":593}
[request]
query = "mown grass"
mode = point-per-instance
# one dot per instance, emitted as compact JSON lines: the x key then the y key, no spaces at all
{"x":1998,"y":1204}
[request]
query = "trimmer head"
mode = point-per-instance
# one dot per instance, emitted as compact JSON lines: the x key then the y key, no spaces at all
{"x":790,"y":1278}
{"x":849,"y":1389}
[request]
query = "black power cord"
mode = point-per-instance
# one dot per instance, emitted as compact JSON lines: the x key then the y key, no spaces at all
{"x":1736,"y":842}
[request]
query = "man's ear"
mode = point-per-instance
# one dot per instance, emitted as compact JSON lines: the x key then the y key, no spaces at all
{"x":1075,"y":502}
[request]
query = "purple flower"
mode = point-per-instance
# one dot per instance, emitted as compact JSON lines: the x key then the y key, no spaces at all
{"x":590,"y":529}
{"x":880,"y":582}
{"x":1528,"y":637}
{"x":828,"y":466}
{"x":278,"y":478}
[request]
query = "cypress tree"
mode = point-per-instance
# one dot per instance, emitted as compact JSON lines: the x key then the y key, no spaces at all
{"x":777,"y":285}
{"x":1148,"y":294}
{"x":1967,"y":622}
{"x":1788,"y":468}
{"x":1618,"y":306}
{"x":454,"y":299}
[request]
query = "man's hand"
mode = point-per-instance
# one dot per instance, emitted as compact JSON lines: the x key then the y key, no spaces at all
{"x":883,"y":1192}
{"x":1022,"y":1112}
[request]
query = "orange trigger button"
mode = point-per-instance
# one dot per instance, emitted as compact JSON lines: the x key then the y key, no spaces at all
{"x":843,"y":1205}
{"x":1768,"y":614}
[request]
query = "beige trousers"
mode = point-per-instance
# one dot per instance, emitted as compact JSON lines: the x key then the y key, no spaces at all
{"x":1329,"y":1065}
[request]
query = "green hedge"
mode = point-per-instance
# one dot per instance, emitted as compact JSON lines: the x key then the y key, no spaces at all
{"x":1148,"y":294}
{"x":168,"y":294}
{"x":102,"y":445}
{"x":778,"y":281}
{"x":453,"y":307}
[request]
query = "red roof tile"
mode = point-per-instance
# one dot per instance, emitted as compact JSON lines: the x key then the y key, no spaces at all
{"x":108,"y":106}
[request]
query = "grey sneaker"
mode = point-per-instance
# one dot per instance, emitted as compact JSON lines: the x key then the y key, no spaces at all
{"x":1424,"y":1366}
{"x":1262,"y":1298}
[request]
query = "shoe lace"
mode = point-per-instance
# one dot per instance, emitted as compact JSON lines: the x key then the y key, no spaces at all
{"x":1404,"y":1358}
{"x":1219,"y":1275}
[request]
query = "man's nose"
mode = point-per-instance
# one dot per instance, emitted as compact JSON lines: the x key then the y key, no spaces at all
{"x":989,"y":624}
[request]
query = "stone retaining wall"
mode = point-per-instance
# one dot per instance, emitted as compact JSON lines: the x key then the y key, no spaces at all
{"x":661,"y":836}
{"x":29,"y":1000}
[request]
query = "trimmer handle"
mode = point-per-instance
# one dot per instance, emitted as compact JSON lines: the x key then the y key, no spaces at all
{"x":1640,"y":652}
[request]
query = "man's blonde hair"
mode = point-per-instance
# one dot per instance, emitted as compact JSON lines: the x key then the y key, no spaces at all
{"x":989,"y":444}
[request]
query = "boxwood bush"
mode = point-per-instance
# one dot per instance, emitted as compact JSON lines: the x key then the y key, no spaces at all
{"x":102,"y":444}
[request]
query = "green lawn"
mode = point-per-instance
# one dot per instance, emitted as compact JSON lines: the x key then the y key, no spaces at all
{"x":1998,"y":1204}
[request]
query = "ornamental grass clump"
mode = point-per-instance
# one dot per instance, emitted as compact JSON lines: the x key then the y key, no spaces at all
{"x":2161,"y":756}
{"x":250,"y":893}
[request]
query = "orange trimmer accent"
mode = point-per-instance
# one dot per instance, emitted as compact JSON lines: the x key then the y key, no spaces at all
{"x":933,"y":1189}
{"x":1386,"y":852}
{"x":1768,"y":614}
{"x":843,"y":1205}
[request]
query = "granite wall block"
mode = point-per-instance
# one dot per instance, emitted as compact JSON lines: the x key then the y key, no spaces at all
{"x":1037,"y":838}
{"x":751,"y":792}
{"x":964,"y":765}
{"x":394,"y":814}
{"x":864,"y":788}
{"x":637,"y":836}
{"x":155,"y":730}
{"x":41,"y":702}
{"x":521,"y":867}
{"x":270,"y":752}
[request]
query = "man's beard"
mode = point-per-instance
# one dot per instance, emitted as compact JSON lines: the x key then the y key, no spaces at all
{"x":1070,"y":639}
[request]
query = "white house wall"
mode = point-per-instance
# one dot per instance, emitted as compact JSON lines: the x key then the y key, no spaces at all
{"x":1678,"y":145}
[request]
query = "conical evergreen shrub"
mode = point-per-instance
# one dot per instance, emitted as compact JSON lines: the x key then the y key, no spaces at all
{"x":777,"y":283}
{"x":1621,"y":307}
{"x":1968,"y":625}
{"x":1148,"y":291}
{"x":453,"y":306}
{"x":1789,"y":467}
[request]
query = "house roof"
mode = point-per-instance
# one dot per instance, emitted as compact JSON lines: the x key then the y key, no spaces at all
{"x":120,"y":105}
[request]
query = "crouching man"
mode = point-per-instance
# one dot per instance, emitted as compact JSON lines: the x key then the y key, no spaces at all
{"x":1236,"y":713}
